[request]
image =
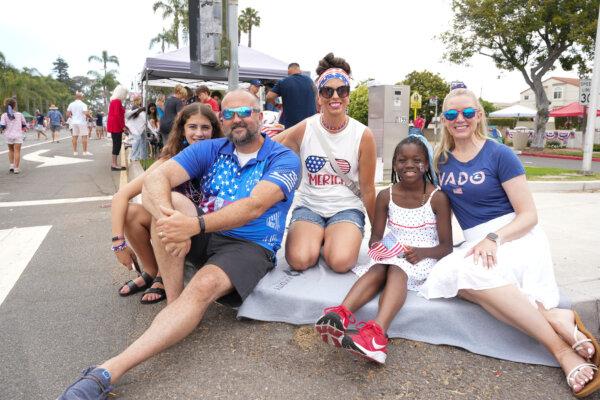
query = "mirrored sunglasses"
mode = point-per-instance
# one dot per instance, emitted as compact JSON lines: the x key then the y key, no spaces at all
{"x":468,"y":113}
{"x":242,"y":112}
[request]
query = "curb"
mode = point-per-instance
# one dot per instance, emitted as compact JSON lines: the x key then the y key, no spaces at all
{"x":557,"y":156}
{"x":563,"y":186}
{"x":135,"y":169}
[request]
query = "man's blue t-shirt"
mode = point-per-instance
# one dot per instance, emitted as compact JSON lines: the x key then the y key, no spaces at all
{"x":298,"y":95}
{"x":55,"y":117}
{"x":223,"y":181}
{"x":475,"y":187}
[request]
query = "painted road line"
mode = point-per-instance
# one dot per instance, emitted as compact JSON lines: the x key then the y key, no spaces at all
{"x":37,"y":156}
{"x":17,"y":247}
{"x":35,"y":144}
{"x":8,"y":204}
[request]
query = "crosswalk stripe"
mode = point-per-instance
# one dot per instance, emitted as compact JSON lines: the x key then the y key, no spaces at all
{"x":17,"y":247}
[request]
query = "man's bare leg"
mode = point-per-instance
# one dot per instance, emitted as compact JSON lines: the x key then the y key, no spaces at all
{"x":176,"y":321}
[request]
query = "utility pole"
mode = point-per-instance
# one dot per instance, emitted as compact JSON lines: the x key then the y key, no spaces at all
{"x":590,"y":132}
{"x":232,"y":30}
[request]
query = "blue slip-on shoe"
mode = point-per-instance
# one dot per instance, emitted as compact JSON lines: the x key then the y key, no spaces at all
{"x":93,"y":384}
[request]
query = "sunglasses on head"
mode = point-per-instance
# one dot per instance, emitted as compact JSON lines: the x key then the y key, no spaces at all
{"x":242,"y":112}
{"x":468,"y":113}
{"x":327,"y":91}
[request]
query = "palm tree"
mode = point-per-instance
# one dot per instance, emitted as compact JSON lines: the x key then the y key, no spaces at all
{"x":108,"y":76}
{"x":250,"y":18}
{"x":179,"y":11}
{"x":242,"y":27}
{"x":166,"y":37}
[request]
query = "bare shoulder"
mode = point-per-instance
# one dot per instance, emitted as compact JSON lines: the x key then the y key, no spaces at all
{"x":439,"y":199}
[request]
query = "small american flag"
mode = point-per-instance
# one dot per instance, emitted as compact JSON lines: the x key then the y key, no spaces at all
{"x":343,"y":164}
{"x":387,"y":247}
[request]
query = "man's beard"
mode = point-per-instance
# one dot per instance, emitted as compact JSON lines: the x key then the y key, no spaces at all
{"x":244,"y":139}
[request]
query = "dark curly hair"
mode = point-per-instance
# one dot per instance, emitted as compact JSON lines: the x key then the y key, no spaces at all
{"x":331,"y":61}
{"x":412,"y":140}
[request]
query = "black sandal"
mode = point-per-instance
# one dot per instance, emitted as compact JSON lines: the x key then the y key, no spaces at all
{"x":133,"y":288}
{"x":160,"y":291}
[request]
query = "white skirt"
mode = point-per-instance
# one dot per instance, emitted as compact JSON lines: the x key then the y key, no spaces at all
{"x":525,"y":262}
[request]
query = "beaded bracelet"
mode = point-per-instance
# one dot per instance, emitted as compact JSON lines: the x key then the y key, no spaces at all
{"x":119,"y":247}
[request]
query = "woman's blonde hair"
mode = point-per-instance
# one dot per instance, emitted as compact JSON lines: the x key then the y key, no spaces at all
{"x":447,"y":141}
{"x":120,"y":93}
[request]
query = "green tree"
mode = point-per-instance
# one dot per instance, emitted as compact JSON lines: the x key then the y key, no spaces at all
{"x":358,"y":108}
{"x":428,"y":85}
{"x":529,"y":36}
{"x":61,"y":68}
{"x":488,"y":107}
{"x":178,"y":10}
{"x":165,"y":37}
{"x":242,"y":27}
{"x":249,"y":17}
{"x":107,"y":80}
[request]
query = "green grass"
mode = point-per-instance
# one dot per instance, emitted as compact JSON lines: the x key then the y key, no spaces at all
{"x":147,"y":163}
{"x":557,"y":174}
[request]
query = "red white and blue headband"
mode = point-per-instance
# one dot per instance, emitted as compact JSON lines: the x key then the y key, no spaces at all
{"x":333,"y":73}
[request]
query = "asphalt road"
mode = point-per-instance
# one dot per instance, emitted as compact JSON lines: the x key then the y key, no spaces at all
{"x":557,"y":163}
{"x":64,"y":314}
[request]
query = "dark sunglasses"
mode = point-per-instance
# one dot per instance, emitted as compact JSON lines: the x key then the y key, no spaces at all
{"x":327,"y":91}
{"x":468,"y":113}
{"x":242,"y":112}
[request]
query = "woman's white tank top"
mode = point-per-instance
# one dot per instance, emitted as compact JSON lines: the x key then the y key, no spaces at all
{"x":321,"y":189}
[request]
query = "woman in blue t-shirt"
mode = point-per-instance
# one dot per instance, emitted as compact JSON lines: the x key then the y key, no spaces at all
{"x":505,"y":265}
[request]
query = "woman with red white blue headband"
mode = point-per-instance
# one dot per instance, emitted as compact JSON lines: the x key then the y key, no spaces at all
{"x":338,"y":173}
{"x":505,"y":266}
{"x":411,"y":231}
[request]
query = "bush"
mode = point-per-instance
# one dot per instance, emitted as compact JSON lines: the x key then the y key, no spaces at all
{"x":597,"y":147}
{"x":508,"y":122}
{"x":554,"y":144}
{"x":359,"y":104}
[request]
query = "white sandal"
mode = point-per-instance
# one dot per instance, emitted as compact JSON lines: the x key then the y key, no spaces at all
{"x":571,"y":376}
{"x":577,"y":345}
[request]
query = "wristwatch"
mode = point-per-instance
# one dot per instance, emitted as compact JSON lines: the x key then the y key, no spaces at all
{"x":494,"y":238}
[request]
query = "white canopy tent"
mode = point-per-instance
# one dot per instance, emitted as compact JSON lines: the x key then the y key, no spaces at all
{"x":514,"y":111}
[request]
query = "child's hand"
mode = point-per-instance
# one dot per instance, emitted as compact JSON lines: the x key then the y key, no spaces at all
{"x":413,"y":254}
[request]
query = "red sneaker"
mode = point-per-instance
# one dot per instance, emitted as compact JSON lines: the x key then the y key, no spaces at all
{"x":370,"y":342}
{"x":333,"y":324}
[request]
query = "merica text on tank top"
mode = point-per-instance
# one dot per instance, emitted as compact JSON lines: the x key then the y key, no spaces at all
{"x":321,"y":189}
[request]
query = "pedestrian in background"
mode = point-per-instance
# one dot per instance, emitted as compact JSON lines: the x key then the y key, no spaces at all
{"x":99,"y":125}
{"x":116,"y":124}
{"x":298,"y":93}
{"x":203,"y":96}
{"x":56,"y":120}
{"x":40,"y":124}
{"x":78,"y":112}
{"x":13,"y":125}
{"x":135,"y":121}
{"x":173,"y":105}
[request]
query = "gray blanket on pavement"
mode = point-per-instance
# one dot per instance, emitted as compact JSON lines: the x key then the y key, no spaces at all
{"x":299,"y":298}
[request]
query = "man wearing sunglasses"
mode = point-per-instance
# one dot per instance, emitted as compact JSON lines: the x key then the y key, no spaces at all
{"x":298,"y":94}
{"x":248,"y":183}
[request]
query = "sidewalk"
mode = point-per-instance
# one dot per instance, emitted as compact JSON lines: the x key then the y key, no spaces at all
{"x":569,"y":213}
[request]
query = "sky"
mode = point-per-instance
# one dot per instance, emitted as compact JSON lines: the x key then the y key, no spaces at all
{"x":383,"y":40}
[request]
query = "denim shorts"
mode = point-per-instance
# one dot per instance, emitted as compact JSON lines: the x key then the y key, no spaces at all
{"x":352,"y":215}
